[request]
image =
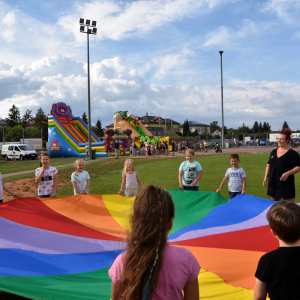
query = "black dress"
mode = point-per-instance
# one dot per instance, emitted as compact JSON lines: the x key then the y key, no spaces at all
{"x":278,"y":166}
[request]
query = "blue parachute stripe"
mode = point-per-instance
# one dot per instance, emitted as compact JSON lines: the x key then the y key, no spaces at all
{"x":15,"y":262}
{"x":237,"y":210}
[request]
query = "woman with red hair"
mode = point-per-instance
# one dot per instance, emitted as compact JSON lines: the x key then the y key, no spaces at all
{"x":281,"y":167}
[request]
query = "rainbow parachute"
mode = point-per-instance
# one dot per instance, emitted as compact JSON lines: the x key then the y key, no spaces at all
{"x":63,"y":248}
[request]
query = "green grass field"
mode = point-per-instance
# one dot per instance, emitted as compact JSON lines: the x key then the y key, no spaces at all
{"x":161,"y":171}
{"x":164,"y":173}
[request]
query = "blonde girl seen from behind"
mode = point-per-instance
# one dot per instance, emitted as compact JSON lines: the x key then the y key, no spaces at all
{"x":150,"y":268}
{"x":130,"y":180}
{"x":80,"y":178}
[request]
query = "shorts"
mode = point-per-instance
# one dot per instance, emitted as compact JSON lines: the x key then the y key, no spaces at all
{"x":191,"y":188}
{"x":44,"y":196}
{"x":285,"y":193}
{"x":233,"y":194}
{"x":131,"y":192}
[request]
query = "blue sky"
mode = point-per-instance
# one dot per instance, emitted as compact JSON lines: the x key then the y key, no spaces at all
{"x":155,"y":56}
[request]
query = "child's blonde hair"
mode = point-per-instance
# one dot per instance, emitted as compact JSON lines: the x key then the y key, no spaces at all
{"x":191,"y":151}
{"x":78,"y":161}
{"x":127,"y":161}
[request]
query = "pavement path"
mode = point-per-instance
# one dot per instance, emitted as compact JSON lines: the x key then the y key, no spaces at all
{"x":254,"y":150}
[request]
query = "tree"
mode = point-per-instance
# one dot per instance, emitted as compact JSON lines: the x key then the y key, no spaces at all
{"x":14,"y":117}
{"x":84,"y":117}
{"x":260,"y":127}
{"x":214,"y":126}
{"x":255,"y":127}
{"x":195,"y":133}
{"x":14,"y":134}
{"x":26,"y":117}
{"x":186,"y":126}
{"x":98,"y":129}
{"x":266,"y":127}
{"x":285,"y":125}
{"x":40,"y":121}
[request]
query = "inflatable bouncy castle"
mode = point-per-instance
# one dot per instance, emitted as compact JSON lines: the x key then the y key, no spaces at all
{"x":67,"y":135}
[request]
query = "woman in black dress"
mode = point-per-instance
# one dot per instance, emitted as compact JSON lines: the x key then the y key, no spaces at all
{"x":282,"y":165}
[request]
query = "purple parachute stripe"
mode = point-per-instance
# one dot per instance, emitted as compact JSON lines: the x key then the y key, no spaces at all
{"x":24,"y":237}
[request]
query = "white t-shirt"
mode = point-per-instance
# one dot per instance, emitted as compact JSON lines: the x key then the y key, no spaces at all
{"x":81,"y":181}
{"x":235,"y":183}
{"x":47,"y":183}
{"x":1,"y":188}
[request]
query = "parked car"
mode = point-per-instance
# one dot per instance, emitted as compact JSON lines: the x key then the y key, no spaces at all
{"x":263,"y":141}
{"x":21,"y":151}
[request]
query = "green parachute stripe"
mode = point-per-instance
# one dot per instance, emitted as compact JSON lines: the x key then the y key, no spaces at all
{"x":94,"y":285}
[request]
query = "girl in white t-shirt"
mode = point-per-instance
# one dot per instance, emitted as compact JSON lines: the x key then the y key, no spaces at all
{"x":5,"y":188}
{"x":46,"y":178}
{"x":130,"y":180}
{"x":150,"y":268}
{"x":80,"y":178}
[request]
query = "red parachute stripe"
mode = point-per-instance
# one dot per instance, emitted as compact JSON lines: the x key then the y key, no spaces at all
{"x":32,"y":212}
{"x":252,"y":239}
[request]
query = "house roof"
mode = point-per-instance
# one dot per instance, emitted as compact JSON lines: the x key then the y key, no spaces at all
{"x":31,"y":121}
{"x":3,"y":123}
{"x":151,"y":120}
{"x":195,"y":124}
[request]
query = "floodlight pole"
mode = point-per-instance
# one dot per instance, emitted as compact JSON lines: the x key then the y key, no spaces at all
{"x":221,"y":52}
{"x":89,"y":98}
{"x":88,"y":32}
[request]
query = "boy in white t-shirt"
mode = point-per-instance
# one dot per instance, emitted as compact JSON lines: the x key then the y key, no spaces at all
{"x":237,"y":178}
{"x":5,"y":188}
{"x":46,"y":178}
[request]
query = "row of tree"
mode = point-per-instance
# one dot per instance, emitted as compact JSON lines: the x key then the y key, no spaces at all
{"x":257,"y":128}
{"x":39,"y":129}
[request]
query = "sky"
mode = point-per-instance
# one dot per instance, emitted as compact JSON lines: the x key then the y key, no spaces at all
{"x":159,"y":57}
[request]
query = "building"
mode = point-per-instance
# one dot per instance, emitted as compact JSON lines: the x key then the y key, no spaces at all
{"x":3,"y":124}
{"x":217,"y":132}
{"x":200,"y":127}
{"x":156,"y":125}
{"x":31,"y":123}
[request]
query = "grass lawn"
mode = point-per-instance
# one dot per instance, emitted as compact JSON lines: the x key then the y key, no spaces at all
{"x":106,"y":176}
{"x":30,"y":164}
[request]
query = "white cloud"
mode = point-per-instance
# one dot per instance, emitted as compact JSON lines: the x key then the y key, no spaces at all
{"x":170,"y":62}
{"x":225,"y":36}
{"x":8,"y":28}
{"x":116,"y":20}
{"x":114,"y":86}
{"x":287,"y":10}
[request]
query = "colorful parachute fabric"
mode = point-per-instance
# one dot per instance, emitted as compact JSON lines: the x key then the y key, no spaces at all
{"x":63,"y":248}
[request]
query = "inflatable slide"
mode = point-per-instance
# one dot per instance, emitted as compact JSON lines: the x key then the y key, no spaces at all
{"x":67,"y":135}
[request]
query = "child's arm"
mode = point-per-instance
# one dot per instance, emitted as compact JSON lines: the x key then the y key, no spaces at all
{"x":75,"y":187}
{"x":6,"y":188}
{"x":197,"y":179}
{"x":139,"y":180}
{"x":39,"y":178}
{"x":260,"y":291}
{"x":122,"y":184}
{"x":244,"y":186}
{"x":87,"y":186}
{"x":191,"y":290}
{"x":180,"y":179}
{"x":222,"y":184}
{"x":266,"y":175}
{"x":55,"y":186}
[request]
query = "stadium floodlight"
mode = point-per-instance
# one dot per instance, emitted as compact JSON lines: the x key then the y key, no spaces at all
{"x":88,"y":32}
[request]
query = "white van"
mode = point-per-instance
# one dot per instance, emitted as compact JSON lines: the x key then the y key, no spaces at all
{"x":21,"y":151}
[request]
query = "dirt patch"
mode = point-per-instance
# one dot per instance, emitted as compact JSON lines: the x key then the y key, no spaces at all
{"x":28,"y":188}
